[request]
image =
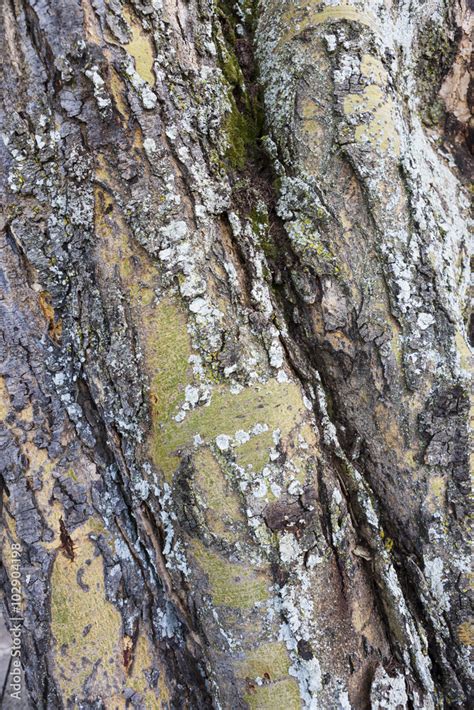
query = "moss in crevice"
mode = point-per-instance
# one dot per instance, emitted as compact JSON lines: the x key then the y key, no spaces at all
{"x":244,"y":123}
{"x":259,"y":219}
{"x":436,"y":52}
{"x":243,"y":133}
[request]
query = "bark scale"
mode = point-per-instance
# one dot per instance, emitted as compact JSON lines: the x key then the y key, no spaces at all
{"x":234,"y":351}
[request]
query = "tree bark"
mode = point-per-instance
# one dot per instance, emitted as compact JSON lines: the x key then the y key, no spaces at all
{"x":235,"y":353}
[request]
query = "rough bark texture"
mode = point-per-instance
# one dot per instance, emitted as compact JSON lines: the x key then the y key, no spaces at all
{"x":234,"y":351}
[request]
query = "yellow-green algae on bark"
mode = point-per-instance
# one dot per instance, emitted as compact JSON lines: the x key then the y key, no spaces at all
{"x":380,"y":129}
{"x":237,"y":590}
{"x":167,"y":349}
{"x":231,"y":584}
{"x":274,"y":404}
{"x":140,"y":48}
{"x":222,"y":504}
{"x":281,"y":694}
{"x":144,"y":661}
{"x":85,"y":626}
{"x":269,"y":659}
{"x":87,"y":632}
{"x":229,"y":570}
{"x":302,"y":16}
{"x":4,"y":399}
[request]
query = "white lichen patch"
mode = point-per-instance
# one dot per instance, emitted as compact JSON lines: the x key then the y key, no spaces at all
{"x":388,"y":692}
{"x":147,"y":96}
{"x":434,"y":572}
{"x":100,"y":92}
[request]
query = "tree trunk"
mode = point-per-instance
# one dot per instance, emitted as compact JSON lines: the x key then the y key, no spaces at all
{"x":234,"y":347}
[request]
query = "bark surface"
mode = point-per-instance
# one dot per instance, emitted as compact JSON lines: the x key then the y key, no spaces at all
{"x":234,"y":352}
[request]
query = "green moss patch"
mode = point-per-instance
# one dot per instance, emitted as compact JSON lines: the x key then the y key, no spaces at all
{"x":85,"y":626}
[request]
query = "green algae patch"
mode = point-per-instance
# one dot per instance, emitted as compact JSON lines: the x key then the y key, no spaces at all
{"x":85,"y":626}
{"x":270,"y":660}
{"x":231,"y":584}
{"x":279,"y":406}
{"x":255,"y":452}
{"x":167,"y":350}
{"x":70,"y":474}
{"x":282,"y":694}
{"x":222,"y":503}
{"x":436,"y":494}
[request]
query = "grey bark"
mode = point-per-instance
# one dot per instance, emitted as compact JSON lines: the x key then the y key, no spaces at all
{"x":235,"y":352}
